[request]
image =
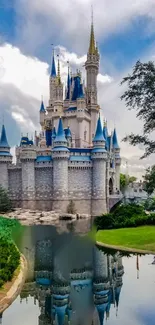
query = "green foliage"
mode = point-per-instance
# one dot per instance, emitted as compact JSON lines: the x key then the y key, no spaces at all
{"x":125,"y":181}
{"x":149,"y":204}
{"x":9,"y":254}
{"x":71,"y":207}
{"x":124,"y":216}
{"x":9,"y":260}
{"x":149,"y":180}
{"x":5,"y":203}
{"x":140,"y":96}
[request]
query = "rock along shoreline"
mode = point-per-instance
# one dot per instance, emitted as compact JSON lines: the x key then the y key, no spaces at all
{"x":35,"y":217}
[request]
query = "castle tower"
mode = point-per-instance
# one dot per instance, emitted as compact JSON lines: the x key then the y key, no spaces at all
{"x":52,"y":83}
{"x":28,"y":156}
{"x":92,"y":69}
{"x":42,"y":114}
{"x":116,"y":150}
{"x":60,"y":154}
{"x":5,"y":159}
{"x":99,"y":157}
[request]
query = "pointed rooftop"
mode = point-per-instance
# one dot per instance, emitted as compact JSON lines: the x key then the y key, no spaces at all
{"x":60,"y":137}
{"x":3,"y":140}
{"x":54,"y":133}
{"x":68,"y":133}
{"x":53,"y":68}
{"x":99,"y":132}
{"x":58,"y":72}
{"x":68,"y":85}
{"x":42,"y":108}
{"x":114,"y":140}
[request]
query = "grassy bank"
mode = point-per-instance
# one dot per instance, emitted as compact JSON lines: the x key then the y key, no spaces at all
{"x":139,"y":238}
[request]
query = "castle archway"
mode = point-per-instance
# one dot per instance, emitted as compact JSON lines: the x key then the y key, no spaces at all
{"x":110,"y":186}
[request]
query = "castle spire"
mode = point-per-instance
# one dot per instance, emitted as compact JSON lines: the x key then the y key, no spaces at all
{"x":53,"y":69}
{"x":60,"y":137}
{"x":58,"y":77}
{"x":92,"y":47}
{"x":3,"y":140}
{"x":42,"y":108}
{"x":114,"y":140}
{"x":68,"y":84}
{"x":99,"y":132}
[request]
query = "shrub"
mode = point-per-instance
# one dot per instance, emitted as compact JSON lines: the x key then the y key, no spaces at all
{"x":127,"y":215}
{"x":9,"y":260}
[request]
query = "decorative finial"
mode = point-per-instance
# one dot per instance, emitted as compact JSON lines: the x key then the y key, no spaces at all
{"x":42,"y":98}
{"x":92,"y":15}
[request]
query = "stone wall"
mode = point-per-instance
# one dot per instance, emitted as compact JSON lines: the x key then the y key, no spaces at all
{"x":28,"y":184}
{"x":43,"y":183}
{"x":80,"y":183}
{"x":4,"y":175}
{"x":15,"y":184}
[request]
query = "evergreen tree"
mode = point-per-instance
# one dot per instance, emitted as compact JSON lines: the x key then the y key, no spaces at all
{"x":5,"y":203}
{"x":71,"y":207}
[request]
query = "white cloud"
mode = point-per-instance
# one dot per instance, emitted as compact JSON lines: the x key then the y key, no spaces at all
{"x":69,"y":21}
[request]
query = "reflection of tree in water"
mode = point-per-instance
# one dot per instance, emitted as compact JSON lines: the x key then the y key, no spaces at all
{"x":71,"y":226}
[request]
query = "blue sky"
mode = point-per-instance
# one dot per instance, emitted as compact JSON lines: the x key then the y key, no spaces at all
{"x":124,"y":32}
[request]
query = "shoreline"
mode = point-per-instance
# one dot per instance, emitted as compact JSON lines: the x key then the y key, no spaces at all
{"x":15,"y":286}
{"x":125,"y":249}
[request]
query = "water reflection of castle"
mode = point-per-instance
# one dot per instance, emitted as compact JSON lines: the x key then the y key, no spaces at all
{"x":82,"y":294}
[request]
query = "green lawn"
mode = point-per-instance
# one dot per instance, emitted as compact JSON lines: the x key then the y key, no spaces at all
{"x":141,"y":237}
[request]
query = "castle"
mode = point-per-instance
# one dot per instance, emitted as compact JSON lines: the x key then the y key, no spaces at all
{"x":73,"y":157}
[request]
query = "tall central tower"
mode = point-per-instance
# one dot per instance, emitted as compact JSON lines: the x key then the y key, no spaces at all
{"x":92,"y":69}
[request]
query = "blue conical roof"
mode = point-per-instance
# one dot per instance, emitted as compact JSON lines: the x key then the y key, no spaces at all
{"x":3,"y":140}
{"x":68,"y":133}
{"x":53,"y":68}
{"x":60,"y":137}
{"x":99,"y":132}
{"x":42,"y":108}
{"x":54,"y":133}
{"x":114,"y":140}
{"x":68,"y":86}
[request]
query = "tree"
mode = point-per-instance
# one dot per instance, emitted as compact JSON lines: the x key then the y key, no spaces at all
{"x":140,"y":96}
{"x":5,"y":203}
{"x":126,"y":180}
{"x":149,"y":180}
{"x":71,"y":207}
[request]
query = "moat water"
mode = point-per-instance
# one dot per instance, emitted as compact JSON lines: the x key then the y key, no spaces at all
{"x":71,"y":281}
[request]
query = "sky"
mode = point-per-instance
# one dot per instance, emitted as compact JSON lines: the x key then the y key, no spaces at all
{"x":125,"y":32}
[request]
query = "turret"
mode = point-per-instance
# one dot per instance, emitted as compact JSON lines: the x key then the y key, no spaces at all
{"x":92,"y":69}
{"x":68,"y":86}
{"x":60,"y":154}
{"x":28,"y":156}
{"x":5,"y":159}
{"x":116,"y":150}
{"x":99,"y":157}
{"x":52,"y":83}
{"x":42,"y":114}
{"x":68,"y":136}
